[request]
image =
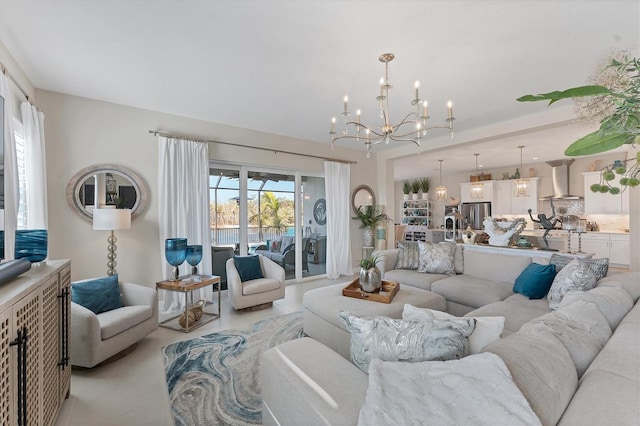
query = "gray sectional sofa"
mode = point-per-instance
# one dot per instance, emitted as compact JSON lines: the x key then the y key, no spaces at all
{"x":306,"y":382}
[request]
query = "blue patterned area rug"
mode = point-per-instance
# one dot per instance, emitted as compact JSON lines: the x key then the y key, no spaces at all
{"x":215,"y":379}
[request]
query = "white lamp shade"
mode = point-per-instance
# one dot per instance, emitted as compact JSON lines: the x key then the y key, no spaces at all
{"x":111,"y":219}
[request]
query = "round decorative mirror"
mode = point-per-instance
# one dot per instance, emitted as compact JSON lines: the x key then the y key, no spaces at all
{"x":106,"y":185}
{"x":362,"y":196}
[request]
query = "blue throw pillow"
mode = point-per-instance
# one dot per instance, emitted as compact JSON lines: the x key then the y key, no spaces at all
{"x":248,"y":267}
{"x":98,"y":295}
{"x":535,"y":281}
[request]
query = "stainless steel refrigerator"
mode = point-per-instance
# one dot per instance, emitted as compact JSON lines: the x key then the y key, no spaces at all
{"x":474,"y":214}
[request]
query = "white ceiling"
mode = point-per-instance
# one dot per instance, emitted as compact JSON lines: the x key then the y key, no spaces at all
{"x":283,"y":67}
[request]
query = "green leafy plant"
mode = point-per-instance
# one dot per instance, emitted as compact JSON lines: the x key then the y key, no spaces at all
{"x":406,"y":187}
{"x":368,"y":217}
{"x":415,"y":186}
{"x":614,"y":102}
{"x":370,"y":262}
{"x":425,"y":183}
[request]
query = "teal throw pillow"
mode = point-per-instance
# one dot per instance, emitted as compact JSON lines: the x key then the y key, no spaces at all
{"x":98,"y":295}
{"x":248,"y":267}
{"x":535,"y":281}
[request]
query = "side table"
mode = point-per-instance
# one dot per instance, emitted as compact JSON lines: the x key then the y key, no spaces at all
{"x":186,"y":286}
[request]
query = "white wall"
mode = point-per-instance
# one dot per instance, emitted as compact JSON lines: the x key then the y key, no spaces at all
{"x":81,"y":132}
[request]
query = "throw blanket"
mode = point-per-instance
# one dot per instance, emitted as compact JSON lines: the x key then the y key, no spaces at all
{"x":476,"y":390}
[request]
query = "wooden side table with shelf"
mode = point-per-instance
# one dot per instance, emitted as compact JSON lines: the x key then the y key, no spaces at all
{"x":187,"y":286}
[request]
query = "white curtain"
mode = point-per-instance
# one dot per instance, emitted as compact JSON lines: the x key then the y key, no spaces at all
{"x":11,"y":195}
{"x":183,"y":198}
{"x":337,"y":178}
{"x":36,"y":167}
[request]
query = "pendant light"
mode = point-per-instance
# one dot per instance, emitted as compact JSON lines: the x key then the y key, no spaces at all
{"x":522,"y":185}
{"x":441,"y":191}
{"x":477,"y":188}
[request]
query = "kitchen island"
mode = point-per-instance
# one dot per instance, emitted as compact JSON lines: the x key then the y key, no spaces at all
{"x":539,"y":255}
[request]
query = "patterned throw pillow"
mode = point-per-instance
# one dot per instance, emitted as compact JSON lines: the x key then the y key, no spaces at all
{"x":577,"y":275}
{"x":437,"y":258}
{"x":408,"y":255}
{"x":275,"y":246}
{"x":600,"y":267}
{"x":391,"y":339}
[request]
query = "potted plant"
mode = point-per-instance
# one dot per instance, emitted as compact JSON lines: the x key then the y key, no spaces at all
{"x":368,"y":218}
{"x":370,"y":279}
{"x":406,"y":189}
{"x":425,"y":183}
{"x":415,"y":189}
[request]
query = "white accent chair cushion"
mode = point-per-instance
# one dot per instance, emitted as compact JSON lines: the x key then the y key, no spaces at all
{"x":259,"y":291}
{"x":96,"y":338}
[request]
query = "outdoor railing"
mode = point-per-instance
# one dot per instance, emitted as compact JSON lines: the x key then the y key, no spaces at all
{"x":229,"y":236}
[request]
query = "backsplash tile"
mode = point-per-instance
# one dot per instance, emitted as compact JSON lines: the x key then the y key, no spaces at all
{"x":606,"y":222}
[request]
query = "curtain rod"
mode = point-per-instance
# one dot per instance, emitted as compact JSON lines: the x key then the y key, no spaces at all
{"x":6,"y":72}
{"x":277,"y":151}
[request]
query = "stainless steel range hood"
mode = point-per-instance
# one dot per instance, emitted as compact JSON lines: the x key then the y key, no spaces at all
{"x":560,"y":181}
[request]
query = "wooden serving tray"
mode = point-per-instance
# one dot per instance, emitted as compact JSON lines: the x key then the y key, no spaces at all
{"x":386,"y":294}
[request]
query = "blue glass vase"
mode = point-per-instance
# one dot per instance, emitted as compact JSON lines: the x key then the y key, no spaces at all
{"x":175,"y":251}
{"x":194,"y":257}
{"x":31,"y":244}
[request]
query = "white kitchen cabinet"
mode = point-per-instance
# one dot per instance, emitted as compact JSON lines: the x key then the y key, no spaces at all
{"x":614,"y":246}
{"x":598,"y":203}
{"x":619,"y":250}
{"x":505,"y":201}
{"x":465,"y":192}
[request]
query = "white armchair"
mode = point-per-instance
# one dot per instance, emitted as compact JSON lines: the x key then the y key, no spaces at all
{"x":258,"y":293}
{"x":96,"y":338}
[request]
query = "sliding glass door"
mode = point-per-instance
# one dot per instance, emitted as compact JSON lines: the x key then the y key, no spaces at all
{"x":314,"y":219}
{"x":277,"y":213}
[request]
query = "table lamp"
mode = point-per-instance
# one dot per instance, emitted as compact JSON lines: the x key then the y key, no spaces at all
{"x":111,"y":220}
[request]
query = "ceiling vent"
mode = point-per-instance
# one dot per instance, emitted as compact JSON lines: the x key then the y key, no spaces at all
{"x":560,"y":180}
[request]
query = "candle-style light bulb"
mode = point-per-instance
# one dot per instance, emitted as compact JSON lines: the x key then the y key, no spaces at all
{"x":358,"y":116}
{"x":381,"y":86}
{"x":450,"y":107}
{"x":417,"y":86}
{"x":333,"y":124}
{"x":424,"y":109}
{"x":346,"y":103}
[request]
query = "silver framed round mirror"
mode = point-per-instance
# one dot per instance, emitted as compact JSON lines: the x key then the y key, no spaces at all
{"x":362,"y":196}
{"x":106,"y":185}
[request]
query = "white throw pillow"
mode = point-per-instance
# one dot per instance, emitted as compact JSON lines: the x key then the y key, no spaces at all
{"x":476,"y":390}
{"x":391,"y":339}
{"x":577,"y":275}
{"x":488,"y":329}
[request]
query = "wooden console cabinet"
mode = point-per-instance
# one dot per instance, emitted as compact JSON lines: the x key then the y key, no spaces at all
{"x":35,"y":372}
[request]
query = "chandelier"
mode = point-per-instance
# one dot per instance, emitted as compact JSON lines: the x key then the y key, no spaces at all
{"x":522,"y":185}
{"x":477,"y":187}
{"x":412,"y":128}
{"x":441,"y":190}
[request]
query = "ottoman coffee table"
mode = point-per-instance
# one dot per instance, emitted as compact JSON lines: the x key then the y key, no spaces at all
{"x":321,"y":307}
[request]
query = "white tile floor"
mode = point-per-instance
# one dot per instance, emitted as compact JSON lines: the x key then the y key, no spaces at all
{"x":132,"y":390}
